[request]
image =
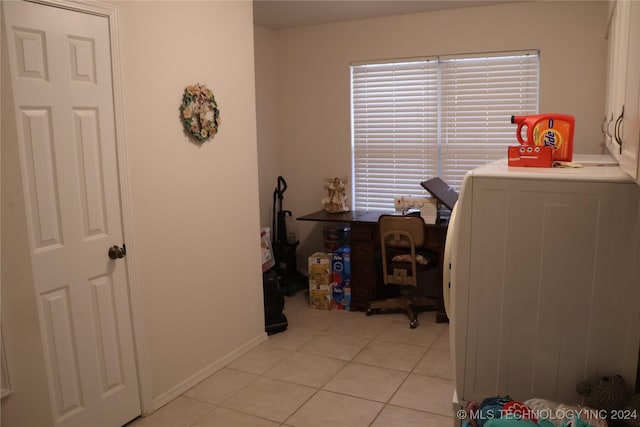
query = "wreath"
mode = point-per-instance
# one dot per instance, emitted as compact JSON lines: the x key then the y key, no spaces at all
{"x":199,"y":112}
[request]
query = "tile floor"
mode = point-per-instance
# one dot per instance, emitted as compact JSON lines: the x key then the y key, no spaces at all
{"x":329,"y":368}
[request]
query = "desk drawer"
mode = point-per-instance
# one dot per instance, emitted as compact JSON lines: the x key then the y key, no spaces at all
{"x":362,"y":292}
{"x":363,"y":251}
{"x":363,"y":231}
{"x":366,"y":271}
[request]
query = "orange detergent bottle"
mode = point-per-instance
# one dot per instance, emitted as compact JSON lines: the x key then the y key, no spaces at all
{"x":554,"y":130}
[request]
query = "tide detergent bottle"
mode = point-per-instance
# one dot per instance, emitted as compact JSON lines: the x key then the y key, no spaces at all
{"x":554,"y":130}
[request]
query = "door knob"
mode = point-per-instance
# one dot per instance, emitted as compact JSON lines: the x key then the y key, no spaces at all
{"x":116,"y":252}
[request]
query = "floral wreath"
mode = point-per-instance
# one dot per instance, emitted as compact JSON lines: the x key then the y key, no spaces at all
{"x":199,"y":112}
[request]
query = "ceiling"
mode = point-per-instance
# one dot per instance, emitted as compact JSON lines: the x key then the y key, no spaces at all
{"x":279,"y":14}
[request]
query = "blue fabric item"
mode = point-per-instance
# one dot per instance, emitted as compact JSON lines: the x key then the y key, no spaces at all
{"x":495,"y":400}
{"x":487,"y":413}
{"x":575,"y":421}
{"x":510,"y":420}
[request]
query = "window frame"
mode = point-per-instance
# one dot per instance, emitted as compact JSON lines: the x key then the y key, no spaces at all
{"x":380,"y":117}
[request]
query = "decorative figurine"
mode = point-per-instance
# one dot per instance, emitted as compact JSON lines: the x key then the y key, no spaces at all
{"x":336,"y":200}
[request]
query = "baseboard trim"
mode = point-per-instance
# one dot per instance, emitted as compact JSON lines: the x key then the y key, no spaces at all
{"x":199,"y":376}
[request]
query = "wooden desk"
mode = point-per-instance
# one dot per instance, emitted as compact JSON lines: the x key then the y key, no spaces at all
{"x":366,"y":267}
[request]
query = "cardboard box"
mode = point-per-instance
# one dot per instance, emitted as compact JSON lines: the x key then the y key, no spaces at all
{"x":539,"y":156}
{"x":320,"y":281}
{"x":341,"y":275}
{"x":268,"y":260}
{"x":341,"y":299}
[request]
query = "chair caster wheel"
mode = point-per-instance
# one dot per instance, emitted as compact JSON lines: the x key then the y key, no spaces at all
{"x":369,"y":312}
{"x":413,"y":324}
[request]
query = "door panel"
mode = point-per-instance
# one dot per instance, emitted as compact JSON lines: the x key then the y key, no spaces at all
{"x":62,"y":357}
{"x":61,"y":79}
{"x":87,"y":137}
{"x":39,"y":170}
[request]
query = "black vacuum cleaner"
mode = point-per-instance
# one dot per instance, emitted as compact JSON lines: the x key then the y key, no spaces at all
{"x":285,"y":244}
{"x":274,"y":319}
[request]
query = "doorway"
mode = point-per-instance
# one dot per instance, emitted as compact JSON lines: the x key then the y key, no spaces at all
{"x":62,"y":87}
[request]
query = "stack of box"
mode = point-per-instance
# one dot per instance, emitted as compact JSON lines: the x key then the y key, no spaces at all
{"x":341,"y":275}
{"x":320,"y":281}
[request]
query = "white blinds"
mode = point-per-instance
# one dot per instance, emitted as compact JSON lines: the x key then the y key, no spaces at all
{"x":442,"y":116}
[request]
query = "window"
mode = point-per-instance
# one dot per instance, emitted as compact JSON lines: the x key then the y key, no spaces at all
{"x":412,"y":120}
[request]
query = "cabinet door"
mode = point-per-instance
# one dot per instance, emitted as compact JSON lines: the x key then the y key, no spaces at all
{"x":611,"y":72}
{"x":365,"y":270}
{"x":616,"y":73}
{"x":630,"y":132}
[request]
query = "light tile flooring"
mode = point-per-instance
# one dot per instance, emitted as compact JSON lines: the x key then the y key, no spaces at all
{"x":329,"y":368}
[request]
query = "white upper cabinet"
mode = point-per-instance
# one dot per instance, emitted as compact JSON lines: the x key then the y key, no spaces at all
{"x":621,"y":124}
{"x":630,"y":134}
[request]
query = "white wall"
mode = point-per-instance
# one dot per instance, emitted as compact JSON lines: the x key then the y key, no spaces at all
{"x":313,"y":79}
{"x":267,"y":118}
{"x":197,"y":251}
{"x":195,"y":206}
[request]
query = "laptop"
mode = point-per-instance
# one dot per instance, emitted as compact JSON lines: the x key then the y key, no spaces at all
{"x":441,"y":191}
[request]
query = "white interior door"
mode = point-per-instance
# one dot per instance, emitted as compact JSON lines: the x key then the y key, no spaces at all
{"x":62,"y":87}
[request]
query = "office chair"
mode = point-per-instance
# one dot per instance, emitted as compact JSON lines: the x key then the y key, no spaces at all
{"x":402,"y":240}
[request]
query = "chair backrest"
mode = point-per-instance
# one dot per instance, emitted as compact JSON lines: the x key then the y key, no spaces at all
{"x":394,"y":230}
{"x":405,"y":233}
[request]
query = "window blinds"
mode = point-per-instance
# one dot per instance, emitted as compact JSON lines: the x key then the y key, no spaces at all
{"x":441,"y":116}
